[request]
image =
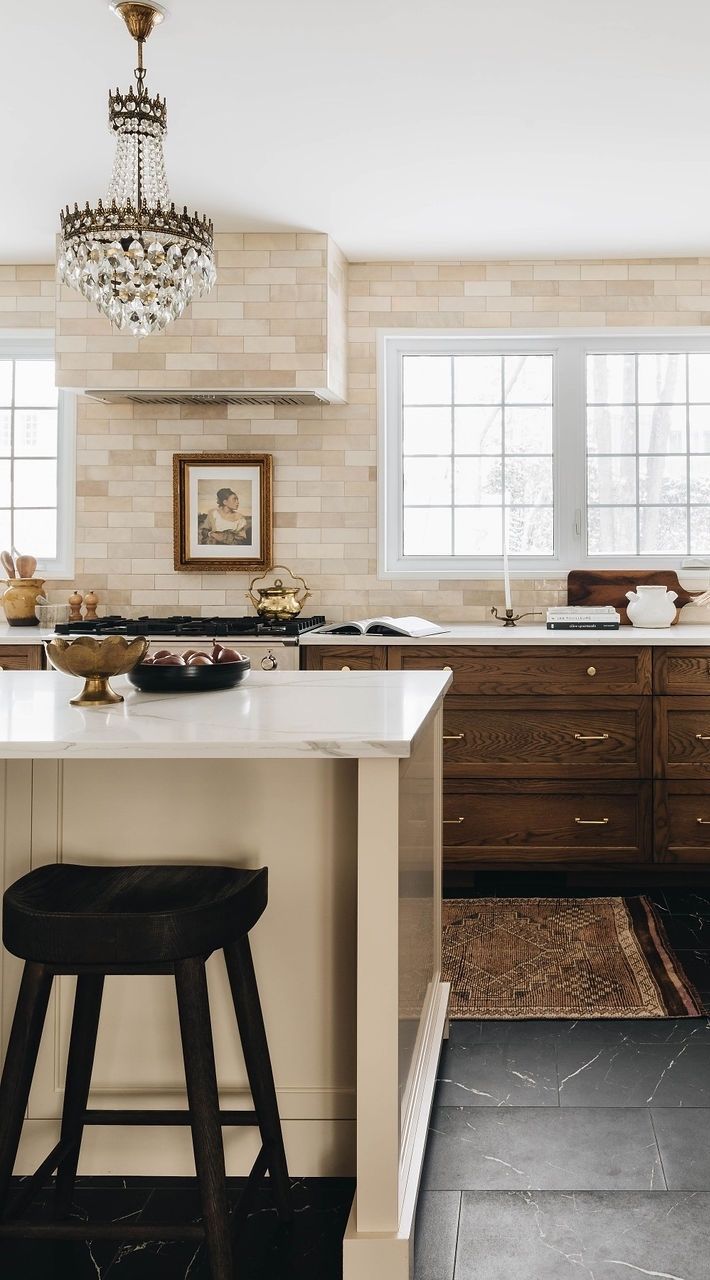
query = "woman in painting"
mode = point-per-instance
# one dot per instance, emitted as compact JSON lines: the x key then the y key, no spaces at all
{"x":224,"y":524}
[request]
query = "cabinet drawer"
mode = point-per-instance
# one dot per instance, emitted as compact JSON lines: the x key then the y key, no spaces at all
{"x":682,"y":821}
{"x":341,"y":657}
{"x":519,"y":821}
{"x":547,"y":737}
{"x":548,"y":670}
{"x":682,"y":671}
{"x":26,"y":657}
{"x":682,"y":738}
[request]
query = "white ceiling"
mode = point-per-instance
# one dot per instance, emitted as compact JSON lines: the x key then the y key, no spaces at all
{"x":427,"y":128}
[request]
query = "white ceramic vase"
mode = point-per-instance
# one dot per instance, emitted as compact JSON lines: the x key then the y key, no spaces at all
{"x":651,"y":606}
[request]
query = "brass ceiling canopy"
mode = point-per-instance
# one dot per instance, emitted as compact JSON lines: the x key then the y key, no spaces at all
{"x":139,"y":18}
{"x":140,"y":260}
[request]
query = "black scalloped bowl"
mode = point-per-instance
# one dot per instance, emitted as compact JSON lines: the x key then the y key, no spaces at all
{"x":198,"y":679}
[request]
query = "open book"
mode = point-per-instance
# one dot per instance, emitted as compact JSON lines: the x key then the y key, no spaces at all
{"x":385,"y":627}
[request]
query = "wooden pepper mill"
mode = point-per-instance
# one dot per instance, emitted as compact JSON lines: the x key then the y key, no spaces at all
{"x":75,"y":601}
{"x":90,"y":602}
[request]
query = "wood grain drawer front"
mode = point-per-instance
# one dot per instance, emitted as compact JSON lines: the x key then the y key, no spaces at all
{"x":683,"y":737}
{"x":28,"y":657}
{"x":533,"y":670}
{"x":341,"y":657}
{"x":682,"y":821}
{"x":682,"y":671}
{"x":600,"y":821}
{"x":547,"y":737}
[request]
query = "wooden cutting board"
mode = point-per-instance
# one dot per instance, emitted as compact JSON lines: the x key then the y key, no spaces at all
{"x":609,"y":586}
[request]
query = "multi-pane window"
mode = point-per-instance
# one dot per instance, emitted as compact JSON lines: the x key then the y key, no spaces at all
{"x":648,"y":453}
{"x":35,"y":496}
{"x":477,"y":454}
{"x":565,"y":450}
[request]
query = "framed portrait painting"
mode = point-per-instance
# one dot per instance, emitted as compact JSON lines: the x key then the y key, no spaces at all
{"x":222,"y":511}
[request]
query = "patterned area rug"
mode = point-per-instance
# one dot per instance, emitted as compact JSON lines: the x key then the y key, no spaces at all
{"x":561,"y":958}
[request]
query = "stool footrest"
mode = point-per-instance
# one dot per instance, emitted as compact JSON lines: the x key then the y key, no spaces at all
{"x":163,"y":1118}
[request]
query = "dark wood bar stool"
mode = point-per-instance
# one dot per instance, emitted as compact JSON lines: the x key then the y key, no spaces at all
{"x":93,"y":921}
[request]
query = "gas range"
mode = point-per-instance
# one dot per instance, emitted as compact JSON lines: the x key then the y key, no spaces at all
{"x":187,"y":627}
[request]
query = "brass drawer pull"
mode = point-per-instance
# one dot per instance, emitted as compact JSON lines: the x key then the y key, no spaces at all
{"x":594,"y":822}
{"x":703,"y":737}
{"x":704,"y":822}
{"x":591,"y":671}
{"x":455,"y":822}
{"x":591,"y":737}
{"x":453,"y":737}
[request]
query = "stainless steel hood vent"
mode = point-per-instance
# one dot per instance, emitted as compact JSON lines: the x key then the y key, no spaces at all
{"x":227,"y":397}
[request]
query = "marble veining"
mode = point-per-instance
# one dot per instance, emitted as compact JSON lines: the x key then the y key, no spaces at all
{"x":275,"y":715}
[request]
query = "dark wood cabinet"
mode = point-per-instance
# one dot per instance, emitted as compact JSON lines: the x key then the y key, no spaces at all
{"x":682,"y":821}
{"x":547,"y":737}
{"x":531,"y":670}
{"x":566,"y":754}
{"x":532,"y":821}
{"x":21,"y":657}
{"x":342,"y":657}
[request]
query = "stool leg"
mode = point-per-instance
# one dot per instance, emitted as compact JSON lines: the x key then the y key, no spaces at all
{"x":82,"y":1047}
{"x":20,"y":1060}
{"x":247,"y":1006}
{"x":203,"y":1100}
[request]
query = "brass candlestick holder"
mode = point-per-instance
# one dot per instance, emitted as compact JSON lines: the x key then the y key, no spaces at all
{"x":509,"y":619}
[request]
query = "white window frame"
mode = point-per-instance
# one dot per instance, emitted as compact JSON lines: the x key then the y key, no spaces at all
{"x":569,"y":444}
{"x":39,"y":345}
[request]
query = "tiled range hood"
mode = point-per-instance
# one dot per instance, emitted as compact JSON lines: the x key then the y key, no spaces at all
{"x":272,"y":331}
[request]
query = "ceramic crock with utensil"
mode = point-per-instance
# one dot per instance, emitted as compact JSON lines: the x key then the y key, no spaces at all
{"x":651,"y":606}
{"x":278,"y":601}
{"x":96,"y":659}
{"x":20,"y":600}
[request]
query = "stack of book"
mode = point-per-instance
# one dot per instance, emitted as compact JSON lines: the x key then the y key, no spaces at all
{"x":583,"y":618}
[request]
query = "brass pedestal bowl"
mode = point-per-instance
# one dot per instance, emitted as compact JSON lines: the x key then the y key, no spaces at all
{"x":96,"y":659}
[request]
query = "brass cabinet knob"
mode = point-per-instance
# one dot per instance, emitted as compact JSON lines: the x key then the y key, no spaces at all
{"x":345,"y":668}
{"x":447,"y":668}
{"x":591,"y":671}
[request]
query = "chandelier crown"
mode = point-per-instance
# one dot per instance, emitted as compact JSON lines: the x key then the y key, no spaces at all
{"x":137,"y":257}
{"x":127,"y":112}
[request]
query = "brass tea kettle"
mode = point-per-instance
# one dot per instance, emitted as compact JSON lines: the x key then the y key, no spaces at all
{"x":278,"y":601}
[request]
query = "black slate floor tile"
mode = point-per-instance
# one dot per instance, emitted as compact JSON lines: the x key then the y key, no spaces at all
{"x":435,"y":1235}
{"x":605,"y":1032}
{"x":265,"y":1250}
{"x":684,"y":1143}
{"x":516,"y":1035}
{"x":634,"y":1075}
{"x":546,"y":1148}
{"x":490,"y":1075}
{"x":582,"y":1236}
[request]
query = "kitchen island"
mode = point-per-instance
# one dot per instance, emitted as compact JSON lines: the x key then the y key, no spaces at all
{"x":333,"y":783}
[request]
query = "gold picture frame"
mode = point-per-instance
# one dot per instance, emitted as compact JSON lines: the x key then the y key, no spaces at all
{"x":222,"y":512}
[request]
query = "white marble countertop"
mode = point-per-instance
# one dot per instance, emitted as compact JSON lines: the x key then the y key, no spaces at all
{"x":24,"y":635}
{"x":275,"y":715}
{"x":493,"y":633}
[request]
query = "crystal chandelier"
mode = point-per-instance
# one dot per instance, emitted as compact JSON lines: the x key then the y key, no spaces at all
{"x":137,"y":258}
